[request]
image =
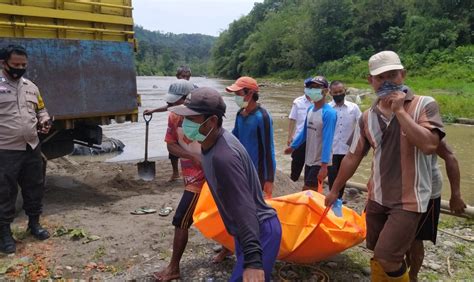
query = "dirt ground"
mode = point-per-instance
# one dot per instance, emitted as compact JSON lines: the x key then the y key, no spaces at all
{"x":92,"y":201}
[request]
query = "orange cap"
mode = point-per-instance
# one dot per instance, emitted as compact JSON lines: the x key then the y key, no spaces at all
{"x":241,"y":83}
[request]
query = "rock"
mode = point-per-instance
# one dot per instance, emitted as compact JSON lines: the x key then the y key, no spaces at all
{"x":145,"y":255}
{"x":331,"y":264}
{"x":155,"y":247}
{"x":356,"y":276}
{"x":435,"y":266}
{"x":366,"y":270}
{"x":69,"y":267}
{"x":217,"y":248}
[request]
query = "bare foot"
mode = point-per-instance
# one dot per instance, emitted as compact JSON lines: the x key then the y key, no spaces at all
{"x":220,"y":257}
{"x":174,"y":177}
{"x":166,"y":274}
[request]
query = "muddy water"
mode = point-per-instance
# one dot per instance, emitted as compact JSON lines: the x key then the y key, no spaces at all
{"x":278,"y":101}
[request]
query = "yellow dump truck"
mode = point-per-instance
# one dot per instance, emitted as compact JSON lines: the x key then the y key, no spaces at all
{"x":81,"y":56}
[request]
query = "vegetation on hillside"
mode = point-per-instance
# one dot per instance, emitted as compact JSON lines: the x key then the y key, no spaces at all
{"x":161,"y":53}
{"x":295,"y":38}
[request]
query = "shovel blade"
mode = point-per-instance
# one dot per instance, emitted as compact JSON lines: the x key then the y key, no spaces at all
{"x":146,"y":170}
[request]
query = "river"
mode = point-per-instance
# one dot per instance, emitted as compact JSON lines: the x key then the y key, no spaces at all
{"x":278,"y":100}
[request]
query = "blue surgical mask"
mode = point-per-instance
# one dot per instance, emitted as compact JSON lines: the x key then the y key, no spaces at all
{"x":315,"y":94}
{"x":191,"y":130}
{"x":239,"y":100}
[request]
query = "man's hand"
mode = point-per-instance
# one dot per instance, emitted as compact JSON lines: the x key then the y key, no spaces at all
{"x":288,"y":150}
{"x":268,"y":189}
{"x":196,"y":159}
{"x":44,"y":126}
{"x":331,"y":198}
{"x":397,"y":100}
{"x":323,"y":172}
{"x":148,"y":112}
{"x":253,"y":275}
{"x":456,"y":204}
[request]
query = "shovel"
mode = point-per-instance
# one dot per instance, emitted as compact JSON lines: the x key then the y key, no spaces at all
{"x":146,"y":169}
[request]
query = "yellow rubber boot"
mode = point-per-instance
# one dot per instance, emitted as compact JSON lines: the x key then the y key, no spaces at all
{"x":379,"y":275}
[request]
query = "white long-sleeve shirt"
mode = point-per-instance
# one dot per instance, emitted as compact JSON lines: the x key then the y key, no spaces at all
{"x":347,"y":116}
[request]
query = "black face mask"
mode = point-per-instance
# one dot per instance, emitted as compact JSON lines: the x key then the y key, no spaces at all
{"x":14,"y":72}
{"x":339,"y":98}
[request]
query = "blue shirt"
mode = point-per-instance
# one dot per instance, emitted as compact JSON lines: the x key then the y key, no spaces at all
{"x":318,"y":133}
{"x":255,"y":132}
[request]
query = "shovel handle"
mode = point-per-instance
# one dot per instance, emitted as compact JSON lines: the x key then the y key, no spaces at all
{"x":147,"y":120}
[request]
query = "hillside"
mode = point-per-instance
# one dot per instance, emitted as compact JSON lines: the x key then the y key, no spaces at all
{"x":161,"y":53}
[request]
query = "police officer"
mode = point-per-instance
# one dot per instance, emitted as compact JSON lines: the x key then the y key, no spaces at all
{"x":22,"y":117}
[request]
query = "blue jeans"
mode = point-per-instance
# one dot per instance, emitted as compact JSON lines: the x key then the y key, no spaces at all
{"x":270,"y":238}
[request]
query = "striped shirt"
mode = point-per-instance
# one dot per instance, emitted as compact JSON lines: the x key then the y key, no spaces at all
{"x":401,"y":173}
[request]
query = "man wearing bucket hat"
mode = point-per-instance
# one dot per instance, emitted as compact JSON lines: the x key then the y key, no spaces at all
{"x":235,"y":186}
{"x":318,"y":133}
{"x":254,"y":129}
{"x":189,"y":152}
{"x":404,"y":130}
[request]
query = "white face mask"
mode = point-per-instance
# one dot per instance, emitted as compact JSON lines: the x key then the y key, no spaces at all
{"x":315,"y":94}
{"x":239,"y":100}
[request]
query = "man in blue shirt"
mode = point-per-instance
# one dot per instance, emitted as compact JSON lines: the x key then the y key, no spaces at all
{"x":235,"y":186}
{"x":254,"y":129}
{"x":318,"y":133}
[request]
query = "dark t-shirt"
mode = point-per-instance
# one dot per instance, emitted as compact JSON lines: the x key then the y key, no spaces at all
{"x":236,"y":189}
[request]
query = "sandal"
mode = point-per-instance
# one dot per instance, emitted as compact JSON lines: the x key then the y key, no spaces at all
{"x":143,"y":210}
{"x":165,"y":211}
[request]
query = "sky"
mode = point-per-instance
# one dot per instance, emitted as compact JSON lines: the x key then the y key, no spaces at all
{"x":189,"y":16}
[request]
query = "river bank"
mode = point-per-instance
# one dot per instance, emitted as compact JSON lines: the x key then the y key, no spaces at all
{"x":92,"y":201}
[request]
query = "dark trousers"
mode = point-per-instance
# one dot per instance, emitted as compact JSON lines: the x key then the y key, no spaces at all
{"x":297,"y":162}
{"x":23,"y":168}
{"x":332,"y":172}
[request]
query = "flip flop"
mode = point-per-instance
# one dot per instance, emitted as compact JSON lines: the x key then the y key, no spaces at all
{"x":142,"y":211}
{"x":165,"y":211}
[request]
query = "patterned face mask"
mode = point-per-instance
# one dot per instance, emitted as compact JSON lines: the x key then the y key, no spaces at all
{"x":388,"y":87}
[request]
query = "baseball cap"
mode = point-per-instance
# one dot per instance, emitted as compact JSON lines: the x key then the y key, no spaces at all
{"x":319,"y":79}
{"x":384,"y":61}
{"x":201,"y":101}
{"x":178,"y":89}
{"x":241,"y":83}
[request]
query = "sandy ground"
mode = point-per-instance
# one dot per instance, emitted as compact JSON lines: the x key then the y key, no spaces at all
{"x":95,"y":199}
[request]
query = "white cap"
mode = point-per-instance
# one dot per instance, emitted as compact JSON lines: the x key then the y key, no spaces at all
{"x":178,"y":90}
{"x":384,"y":61}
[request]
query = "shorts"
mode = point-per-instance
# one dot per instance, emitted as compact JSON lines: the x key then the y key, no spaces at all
{"x":183,"y":217}
{"x":172,"y":157}
{"x":270,"y":238}
{"x":428,"y":225}
{"x":390,"y":232}
{"x":311,"y":175}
